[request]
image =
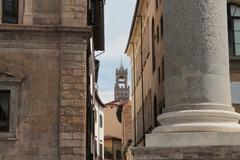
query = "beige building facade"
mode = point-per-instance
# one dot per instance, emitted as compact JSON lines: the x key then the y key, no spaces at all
{"x":146,"y":48}
{"x":45,"y":54}
{"x":112,"y":133}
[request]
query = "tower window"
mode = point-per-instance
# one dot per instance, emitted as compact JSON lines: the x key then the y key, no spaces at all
{"x":10,"y":11}
{"x":4,"y":110}
{"x":234,"y":29}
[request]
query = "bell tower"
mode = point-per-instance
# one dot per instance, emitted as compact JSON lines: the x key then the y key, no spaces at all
{"x":121,"y":90}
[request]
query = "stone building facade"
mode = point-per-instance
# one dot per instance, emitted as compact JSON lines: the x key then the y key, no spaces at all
{"x":45,"y":50}
{"x":195,"y":75}
{"x":146,"y":49}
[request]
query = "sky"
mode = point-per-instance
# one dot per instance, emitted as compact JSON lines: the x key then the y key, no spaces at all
{"x":118,"y":20}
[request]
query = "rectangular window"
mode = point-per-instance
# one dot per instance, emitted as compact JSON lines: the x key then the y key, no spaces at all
{"x":4,"y":110}
{"x":101,"y":150}
{"x":158,"y":34}
{"x":237,"y":36}
{"x":162,"y":27}
{"x":156,"y":1}
{"x":10,"y":11}
{"x":159,"y":75}
{"x":118,"y":154}
{"x":163,"y":73}
{"x":95,"y":148}
{"x":101,"y":121}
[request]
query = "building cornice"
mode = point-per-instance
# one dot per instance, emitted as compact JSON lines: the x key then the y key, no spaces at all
{"x":45,"y":28}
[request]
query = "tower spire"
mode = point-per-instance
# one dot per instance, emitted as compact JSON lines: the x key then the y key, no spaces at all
{"x":121,"y":66}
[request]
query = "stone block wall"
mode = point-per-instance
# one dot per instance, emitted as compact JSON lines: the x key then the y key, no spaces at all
{"x":192,"y":153}
{"x":74,"y":13}
{"x":52,"y":12}
{"x":73,"y":98}
{"x":46,"y":12}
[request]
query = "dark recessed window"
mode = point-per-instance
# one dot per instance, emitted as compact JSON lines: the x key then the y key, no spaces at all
{"x":156,"y":4}
{"x":162,"y":27}
{"x":118,"y":154}
{"x":158,"y":32}
{"x":234,"y":29}
{"x":101,"y":150}
{"x":163,"y":73}
{"x":10,"y":11}
{"x":4,"y":110}
{"x":155,"y":111}
{"x":153,"y":47}
{"x":101,"y":121}
{"x":159,"y":75}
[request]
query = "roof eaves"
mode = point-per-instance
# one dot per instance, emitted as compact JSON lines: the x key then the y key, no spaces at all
{"x":133,"y":25}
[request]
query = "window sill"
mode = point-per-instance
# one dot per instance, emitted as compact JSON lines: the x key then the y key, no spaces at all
{"x":8,"y":136}
{"x":234,"y":57}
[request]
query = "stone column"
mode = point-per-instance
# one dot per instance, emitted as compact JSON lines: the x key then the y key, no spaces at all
{"x":197,"y":87}
{"x":28,"y":15}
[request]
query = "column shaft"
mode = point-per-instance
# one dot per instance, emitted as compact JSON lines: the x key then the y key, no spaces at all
{"x":197,"y":86}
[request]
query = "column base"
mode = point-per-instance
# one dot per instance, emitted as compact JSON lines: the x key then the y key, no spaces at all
{"x":187,"y":153}
{"x":193,"y":139}
{"x":198,"y":121}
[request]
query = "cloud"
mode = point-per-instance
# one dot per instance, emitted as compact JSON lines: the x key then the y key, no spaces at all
{"x":106,"y":96}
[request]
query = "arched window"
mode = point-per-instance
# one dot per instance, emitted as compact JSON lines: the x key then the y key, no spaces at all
{"x":234,"y":29}
{"x":10,"y":11}
{"x":153,"y":47}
